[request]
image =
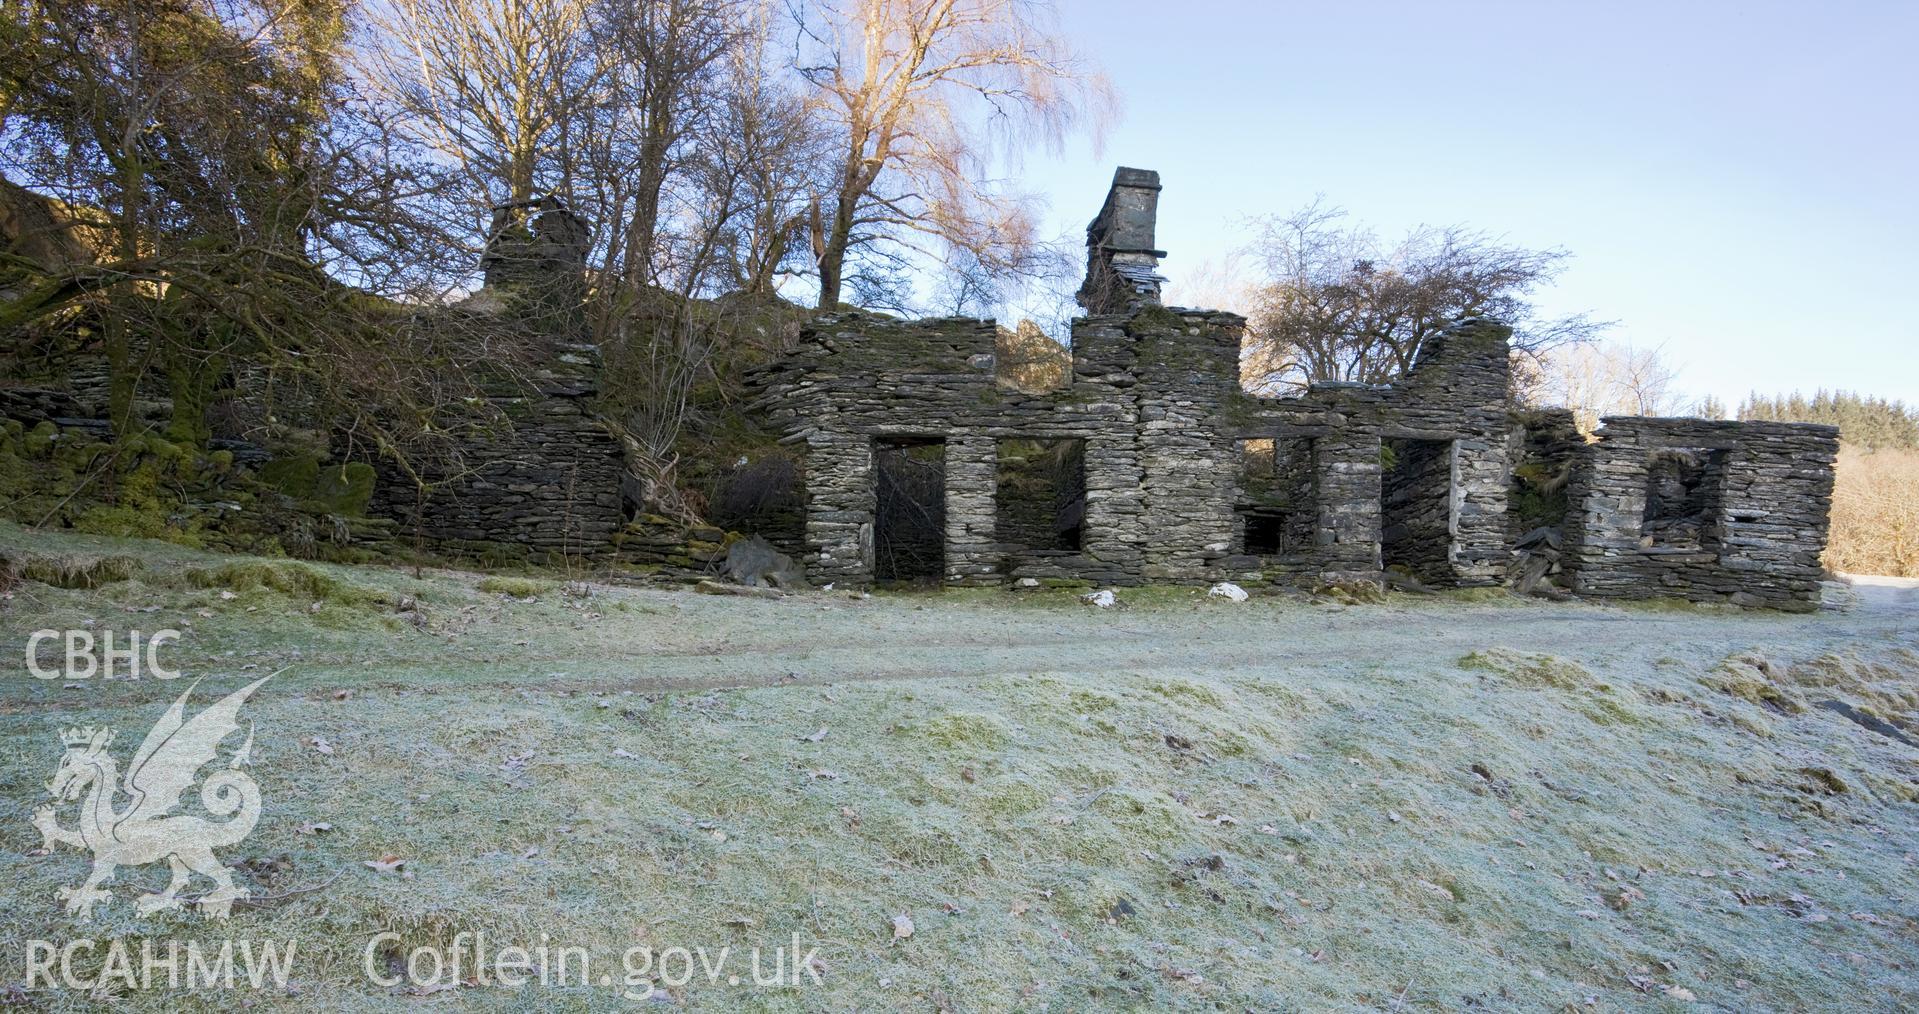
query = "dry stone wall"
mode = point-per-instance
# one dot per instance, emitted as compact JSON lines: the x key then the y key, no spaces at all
{"x":545,"y":485}
{"x":1156,"y":403}
{"x":1764,"y":510}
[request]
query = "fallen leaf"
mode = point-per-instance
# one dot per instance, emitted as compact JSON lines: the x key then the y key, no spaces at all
{"x":318,"y":827}
{"x":902,"y":926}
{"x":623,"y":755}
{"x":386,"y":863}
{"x":227,"y":596}
{"x":341,"y":695}
{"x":816,"y":737}
{"x":321,"y":746}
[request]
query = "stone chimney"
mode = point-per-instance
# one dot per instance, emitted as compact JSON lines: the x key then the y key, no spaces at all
{"x":1122,"y":266}
{"x":536,"y":251}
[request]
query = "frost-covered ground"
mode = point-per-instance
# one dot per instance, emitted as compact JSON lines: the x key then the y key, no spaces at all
{"x":992,"y":801}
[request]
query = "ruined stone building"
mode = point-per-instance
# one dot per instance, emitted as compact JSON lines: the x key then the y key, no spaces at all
{"x":1151,"y":464}
{"x":925,"y":450}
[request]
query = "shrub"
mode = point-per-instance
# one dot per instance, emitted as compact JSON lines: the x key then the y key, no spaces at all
{"x":1875,"y":513}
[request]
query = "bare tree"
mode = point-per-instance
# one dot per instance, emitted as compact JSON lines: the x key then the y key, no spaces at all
{"x":903,"y":82}
{"x":773,"y":134}
{"x":1598,"y":379}
{"x":1335,"y":303}
{"x":630,"y":161}
{"x":1213,"y":283}
{"x":488,"y":85}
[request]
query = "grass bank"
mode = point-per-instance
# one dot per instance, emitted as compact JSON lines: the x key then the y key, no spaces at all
{"x":999,"y":802}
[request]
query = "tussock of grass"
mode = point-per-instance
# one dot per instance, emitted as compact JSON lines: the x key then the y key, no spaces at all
{"x":294,"y":580}
{"x":1881,"y":688}
{"x":1749,"y":677}
{"x":71,"y":571}
{"x":1528,"y":670}
{"x":964,"y":731}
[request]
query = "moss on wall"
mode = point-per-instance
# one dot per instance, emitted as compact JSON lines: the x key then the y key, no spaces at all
{"x":294,"y":475}
{"x":344,"y":489}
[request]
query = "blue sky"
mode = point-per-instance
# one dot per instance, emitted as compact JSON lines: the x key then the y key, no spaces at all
{"x":1738,"y":183}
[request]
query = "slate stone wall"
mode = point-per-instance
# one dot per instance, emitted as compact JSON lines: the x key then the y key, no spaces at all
{"x":1155,"y":399}
{"x":857,"y":379}
{"x":545,"y":486}
{"x":546,"y":483}
{"x":1435,"y":471}
{"x":1454,"y":402}
{"x":1765,"y":507}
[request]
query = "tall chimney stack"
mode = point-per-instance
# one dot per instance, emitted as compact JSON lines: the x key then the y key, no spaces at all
{"x":1122,"y":265}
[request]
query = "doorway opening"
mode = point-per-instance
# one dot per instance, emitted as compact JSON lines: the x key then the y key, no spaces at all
{"x":1417,"y":523}
{"x":909,"y":511}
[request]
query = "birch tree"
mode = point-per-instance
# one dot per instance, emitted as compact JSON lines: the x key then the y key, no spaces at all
{"x":921,"y":95}
{"x":487,"y":85}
